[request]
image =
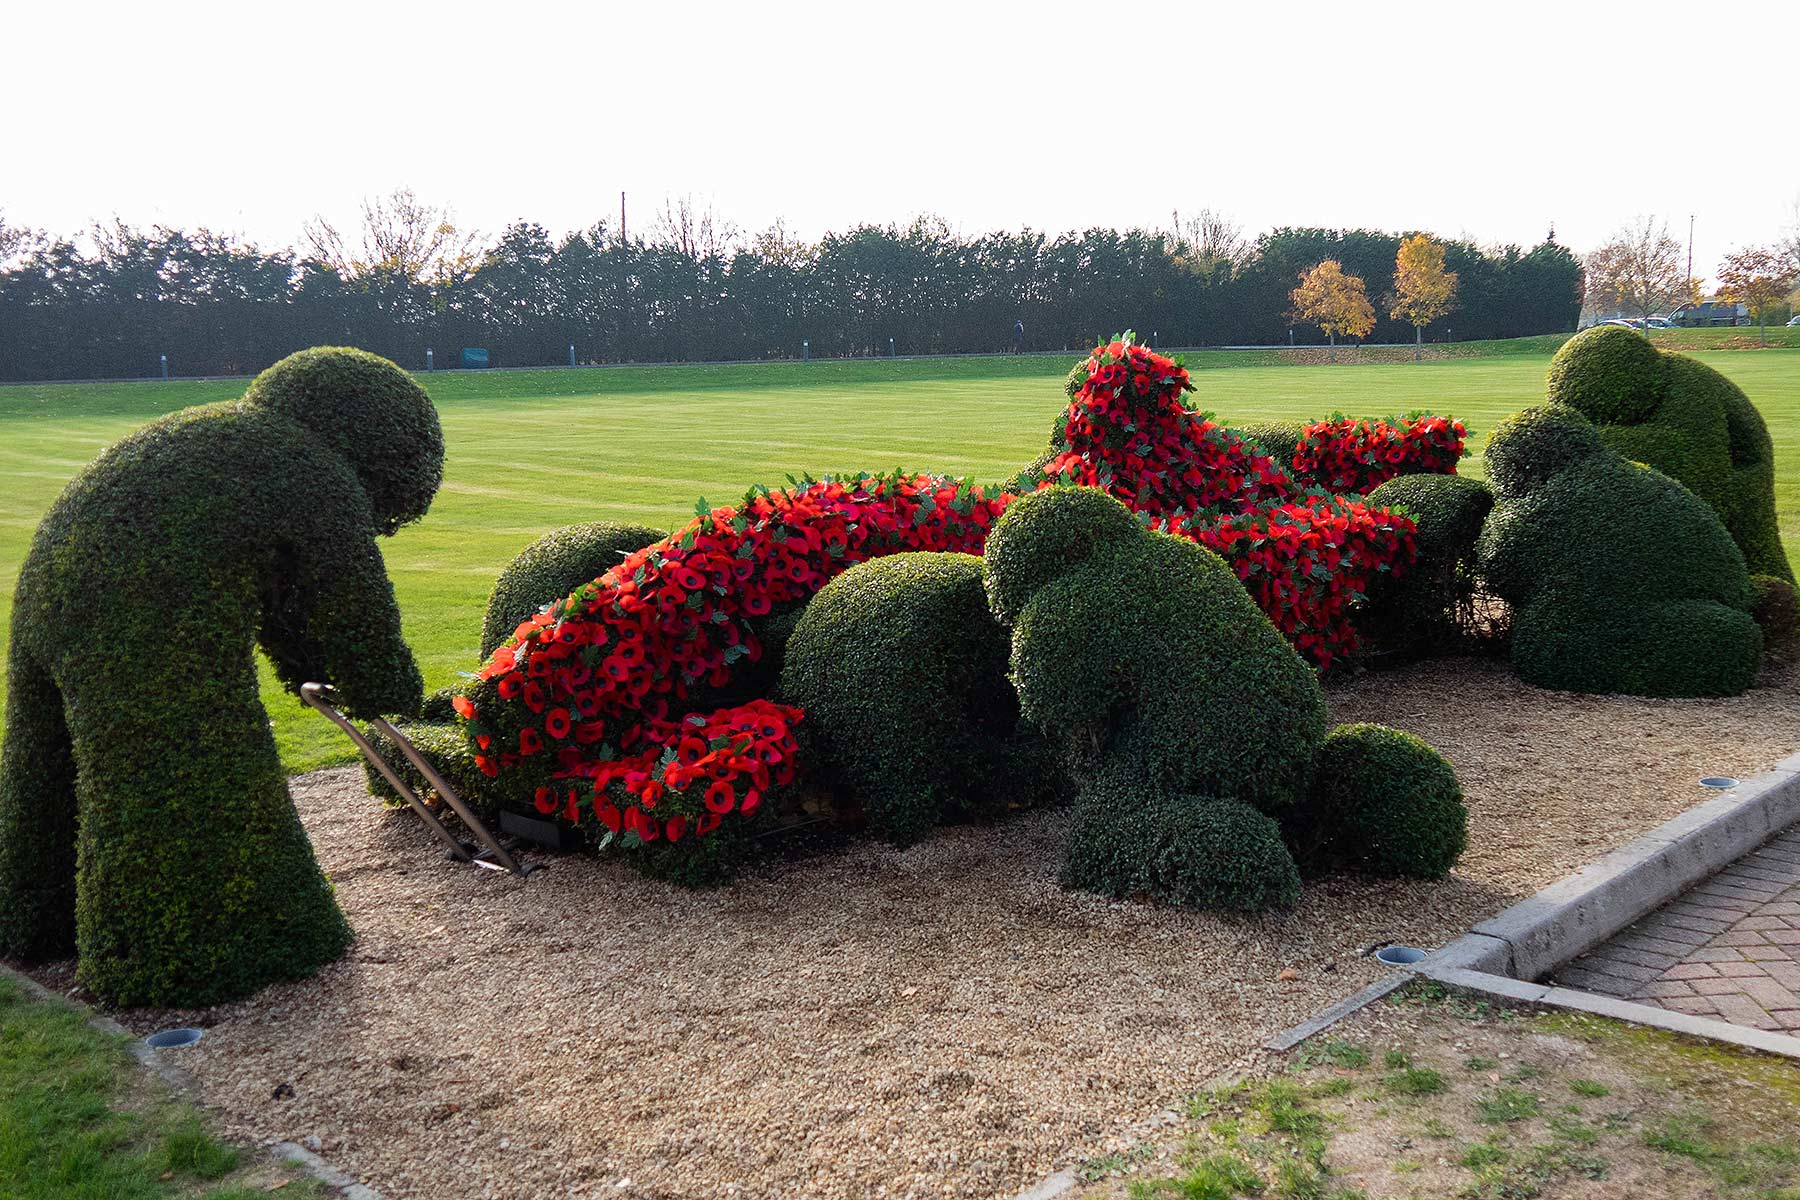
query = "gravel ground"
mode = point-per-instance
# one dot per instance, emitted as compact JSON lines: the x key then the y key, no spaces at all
{"x":939,"y":1022}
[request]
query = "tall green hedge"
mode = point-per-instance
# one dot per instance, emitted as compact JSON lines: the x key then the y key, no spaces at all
{"x":1620,"y":578}
{"x":554,"y":566}
{"x":144,"y":816}
{"x":901,"y":671}
{"x":1680,"y":416}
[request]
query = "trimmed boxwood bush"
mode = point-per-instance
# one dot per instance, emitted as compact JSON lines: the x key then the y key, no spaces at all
{"x":374,"y":415}
{"x":1194,"y":851}
{"x":1182,"y":714}
{"x":1529,"y":448}
{"x":1277,"y":439}
{"x":901,"y":671}
{"x":1609,"y":373}
{"x":1424,"y":609}
{"x":552,"y":567}
{"x":1383,"y":802}
{"x":1621,"y":580}
{"x":442,"y":744}
{"x":1149,"y":648}
{"x":144,"y":816}
{"x":1688,"y":421}
{"x":1776,"y":610}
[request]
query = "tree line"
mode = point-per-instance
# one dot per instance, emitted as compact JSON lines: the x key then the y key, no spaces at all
{"x":110,"y":303}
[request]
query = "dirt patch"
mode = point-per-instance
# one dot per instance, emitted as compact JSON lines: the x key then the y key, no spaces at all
{"x":1435,"y":1095}
{"x":945,"y":1021}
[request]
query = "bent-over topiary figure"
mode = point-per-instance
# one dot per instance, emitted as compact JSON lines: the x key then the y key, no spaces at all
{"x":1620,"y":578}
{"x":144,"y":816}
{"x":1677,"y":414}
{"x":1188,"y":723}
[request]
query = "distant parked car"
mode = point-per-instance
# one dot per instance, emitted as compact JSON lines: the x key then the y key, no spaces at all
{"x":1794,"y":321}
{"x":1659,"y":323}
{"x":1625,"y":322}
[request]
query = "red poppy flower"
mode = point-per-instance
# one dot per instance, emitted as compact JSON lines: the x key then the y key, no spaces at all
{"x":465,"y":707}
{"x":608,"y":814}
{"x":556,"y":724}
{"x":677,"y":826}
{"x":721,"y":796}
{"x":530,"y":742}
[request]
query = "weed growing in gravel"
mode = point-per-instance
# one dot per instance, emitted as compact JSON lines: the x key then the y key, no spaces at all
{"x":1590,"y":1088}
{"x":1116,"y":1162}
{"x":1333,"y":1052}
{"x":1506,"y":1106}
{"x":1477,"y":1063}
{"x":1416,"y":1081}
{"x":1435,"y":1128}
{"x":1394,"y":1060}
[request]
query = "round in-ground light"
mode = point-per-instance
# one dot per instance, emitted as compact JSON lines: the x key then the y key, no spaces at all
{"x":1718,"y":781}
{"x":1399,"y":956}
{"x":170,"y":1039}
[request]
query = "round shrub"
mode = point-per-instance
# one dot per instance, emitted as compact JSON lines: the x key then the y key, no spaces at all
{"x":1776,"y":610}
{"x":554,"y":566}
{"x":145,"y":821}
{"x":901,"y":671}
{"x":1382,"y":802}
{"x":1609,"y":373}
{"x":1530,"y":448}
{"x":1193,"y":851}
{"x":373,"y":414}
{"x":1043,"y":535}
{"x":1277,"y":439}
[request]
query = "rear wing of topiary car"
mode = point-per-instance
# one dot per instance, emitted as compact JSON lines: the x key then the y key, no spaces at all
{"x":491,"y":855}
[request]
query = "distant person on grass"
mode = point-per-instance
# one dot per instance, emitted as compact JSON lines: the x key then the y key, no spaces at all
{"x":1019,"y":337}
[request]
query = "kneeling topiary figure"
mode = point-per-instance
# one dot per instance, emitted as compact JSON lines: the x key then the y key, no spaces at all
{"x":1620,"y":578}
{"x":901,"y":671}
{"x":1677,"y":414}
{"x":1188,"y":722}
{"x":144,"y":816}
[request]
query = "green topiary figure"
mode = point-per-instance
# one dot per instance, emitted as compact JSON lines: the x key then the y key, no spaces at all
{"x":901,"y":671}
{"x":1427,"y":608}
{"x":552,"y":567}
{"x":1685,"y":419}
{"x":144,"y":816}
{"x":1621,"y":580}
{"x":1168,"y":692}
{"x":1382,"y":802}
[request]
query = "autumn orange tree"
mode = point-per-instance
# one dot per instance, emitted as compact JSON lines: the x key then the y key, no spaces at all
{"x":1423,"y":289}
{"x":1335,"y":302}
{"x":1758,"y":278}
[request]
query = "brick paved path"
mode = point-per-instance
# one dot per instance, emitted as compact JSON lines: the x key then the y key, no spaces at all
{"x":1728,"y":949}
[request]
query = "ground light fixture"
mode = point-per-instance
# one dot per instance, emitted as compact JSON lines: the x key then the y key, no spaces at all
{"x":1721,"y":782}
{"x":1397,"y":955}
{"x":173,"y":1039}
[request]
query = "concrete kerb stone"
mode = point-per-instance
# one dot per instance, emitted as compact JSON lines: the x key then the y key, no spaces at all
{"x":1287,"y":1039}
{"x":1576,"y":914}
{"x":182,"y":1084}
{"x":1519,"y":991}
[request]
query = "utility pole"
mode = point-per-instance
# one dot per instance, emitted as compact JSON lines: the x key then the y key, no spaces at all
{"x":621,"y":218}
{"x":1690,"y":271}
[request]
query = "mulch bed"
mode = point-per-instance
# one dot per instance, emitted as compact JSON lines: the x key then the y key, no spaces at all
{"x":944,"y":1021}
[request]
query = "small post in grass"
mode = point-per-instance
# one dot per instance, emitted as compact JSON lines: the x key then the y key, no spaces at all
{"x":805,"y":350}
{"x":165,"y":367}
{"x":571,"y":354}
{"x":428,"y":358}
{"x":890,"y":347}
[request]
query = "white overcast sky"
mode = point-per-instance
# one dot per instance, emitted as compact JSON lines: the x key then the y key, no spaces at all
{"x":1490,"y":120}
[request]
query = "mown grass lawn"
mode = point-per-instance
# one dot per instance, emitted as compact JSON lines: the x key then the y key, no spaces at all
{"x":531,"y":450}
